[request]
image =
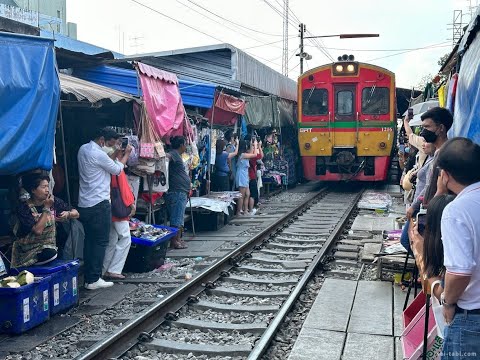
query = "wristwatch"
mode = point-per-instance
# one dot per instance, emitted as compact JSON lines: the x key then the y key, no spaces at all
{"x":444,"y":303}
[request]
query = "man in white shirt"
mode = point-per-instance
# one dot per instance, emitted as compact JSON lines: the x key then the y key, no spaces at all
{"x":95,"y":170}
{"x":459,"y":164}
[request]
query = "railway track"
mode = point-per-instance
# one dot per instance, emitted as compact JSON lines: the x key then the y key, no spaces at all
{"x":234,"y":307}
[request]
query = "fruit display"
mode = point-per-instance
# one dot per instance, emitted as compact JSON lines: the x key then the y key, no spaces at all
{"x":23,"y":278}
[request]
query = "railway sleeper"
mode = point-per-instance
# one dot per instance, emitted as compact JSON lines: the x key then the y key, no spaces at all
{"x":251,"y":280}
{"x":255,"y":328}
{"x":315,"y":241}
{"x":247,"y":293}
{"x":227,"y":308}
{"x":274,"y":245}
{"x":257,"y":270}
{"x":299,"y":254}
{"x":175,"y":347}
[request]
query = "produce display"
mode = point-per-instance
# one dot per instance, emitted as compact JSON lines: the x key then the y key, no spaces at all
{"x":24,"y":278}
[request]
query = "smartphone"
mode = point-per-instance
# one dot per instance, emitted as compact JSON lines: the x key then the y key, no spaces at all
{"x":124,"y":143}
{"x":410,"y":113}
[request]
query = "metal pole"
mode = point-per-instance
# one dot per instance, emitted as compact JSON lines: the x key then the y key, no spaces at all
{"x":67,"y":182}
{"x":302,"y":30}
{"x":209,"y":172}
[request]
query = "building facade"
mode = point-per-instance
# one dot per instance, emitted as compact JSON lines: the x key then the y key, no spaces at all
{"x":47,"y":15}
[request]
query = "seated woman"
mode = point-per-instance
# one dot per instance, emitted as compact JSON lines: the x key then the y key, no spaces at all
{"x":36,"y":230}
{"x":430,"y":245}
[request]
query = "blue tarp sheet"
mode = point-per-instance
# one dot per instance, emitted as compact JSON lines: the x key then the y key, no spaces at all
{"x":467,"y":101}
{"x":193,"y":93}
{"x":29,"y":98}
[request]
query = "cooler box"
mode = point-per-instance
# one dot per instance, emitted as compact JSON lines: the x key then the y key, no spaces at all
{"x":63,"y":283}
{"x":25,"y":307}
{"x":146,"y":255}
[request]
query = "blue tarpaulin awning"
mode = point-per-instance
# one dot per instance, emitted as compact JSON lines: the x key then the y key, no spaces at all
{"x":29,"y":99}
{"x":193,"y":93}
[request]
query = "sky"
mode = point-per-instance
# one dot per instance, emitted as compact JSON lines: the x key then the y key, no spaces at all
{"x":136,"y":26}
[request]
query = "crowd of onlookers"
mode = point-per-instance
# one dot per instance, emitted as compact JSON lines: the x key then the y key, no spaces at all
{"x":441,"y":179}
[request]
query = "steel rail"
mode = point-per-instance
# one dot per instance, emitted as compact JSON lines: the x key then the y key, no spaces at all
{"x":126,"y":337}
{"x":263,"y":343}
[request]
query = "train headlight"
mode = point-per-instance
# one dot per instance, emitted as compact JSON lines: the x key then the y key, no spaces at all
{"x":382,"y":145}
{"x":307,"y":146}
{"x":350,"y":68}
{"x":339,"y":68}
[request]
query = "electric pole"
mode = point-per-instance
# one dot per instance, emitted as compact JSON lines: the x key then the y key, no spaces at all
{"x":302,"y":31}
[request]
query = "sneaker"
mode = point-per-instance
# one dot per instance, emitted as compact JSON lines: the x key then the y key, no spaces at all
{"x":254,"y":211}
{"x":46,"y":256}
{"x":99,"y":284}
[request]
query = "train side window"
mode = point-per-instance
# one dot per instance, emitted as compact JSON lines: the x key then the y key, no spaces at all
{"x":315,"y":102}
{"x":344,"y":105}
{"x":375,"y":100}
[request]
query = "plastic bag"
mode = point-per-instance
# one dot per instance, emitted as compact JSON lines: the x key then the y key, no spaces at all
{"x":76,"y":236}
{"x":438,"y":311}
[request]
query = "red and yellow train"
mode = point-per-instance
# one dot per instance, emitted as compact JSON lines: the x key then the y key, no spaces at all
{"x":347,"y":119}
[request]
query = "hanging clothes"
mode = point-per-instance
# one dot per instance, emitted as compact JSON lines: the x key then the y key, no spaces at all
{"x":441,"y":96}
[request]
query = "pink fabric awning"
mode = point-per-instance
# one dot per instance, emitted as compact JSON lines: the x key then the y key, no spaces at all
{"x":163,"y":101}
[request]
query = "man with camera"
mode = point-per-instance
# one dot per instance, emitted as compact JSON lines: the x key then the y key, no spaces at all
{"x":95,"y":169}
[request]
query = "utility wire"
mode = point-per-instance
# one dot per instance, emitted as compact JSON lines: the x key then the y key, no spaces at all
{"x":386,"y":50}
{"x":233,"y":22}
{"x":222,"y":24}
{"x":291,"y":22}
{"x":266,"y":44}
{"x":407,"y":51}
{"x":195,"y":29}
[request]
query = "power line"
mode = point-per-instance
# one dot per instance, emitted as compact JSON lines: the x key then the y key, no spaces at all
{"x":266,"y":44}
{"x":195,"y":29}
{"x":383,"y":50}
{"x":407,"y":51}
{"x":218,"y":22}
{"x":278,"y":12}
{"x":231,"y":21}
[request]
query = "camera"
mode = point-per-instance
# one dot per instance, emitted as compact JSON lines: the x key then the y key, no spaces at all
{"x":410,"y":113}
{"x":124,"y":143}
{"x":421,"y":221}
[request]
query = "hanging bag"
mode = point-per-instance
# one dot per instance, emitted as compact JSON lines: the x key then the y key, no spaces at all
{"x":119,"y":209}
{"x":438,"y":311}
{"x":135,"y":144}
{"x":147,"y":146}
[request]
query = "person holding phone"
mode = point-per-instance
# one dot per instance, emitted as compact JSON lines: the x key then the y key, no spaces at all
{"x":36,"y":227}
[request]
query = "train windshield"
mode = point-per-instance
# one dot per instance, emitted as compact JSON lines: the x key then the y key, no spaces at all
{"x":315,"y":102}
{"x":344,"y":102}
{"x":375,"y":100}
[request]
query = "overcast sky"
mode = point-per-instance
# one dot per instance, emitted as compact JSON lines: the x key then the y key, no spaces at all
{"x":128,"y":27}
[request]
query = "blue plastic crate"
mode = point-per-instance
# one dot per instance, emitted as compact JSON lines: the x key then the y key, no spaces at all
{"x":63,"y":283}
{"x":25,"y":307}
{"x":146,"y":242}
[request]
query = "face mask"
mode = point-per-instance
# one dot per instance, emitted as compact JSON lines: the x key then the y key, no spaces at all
{"x":429,"y":136}
{"x":108,"y":150}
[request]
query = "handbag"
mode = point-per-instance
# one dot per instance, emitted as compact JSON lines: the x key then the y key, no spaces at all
{"x":144,"y":167}
{"x":147,"y":141}
{"x":135,"y":144}
{"x":119,"y":209}
{"x":437,"y":311}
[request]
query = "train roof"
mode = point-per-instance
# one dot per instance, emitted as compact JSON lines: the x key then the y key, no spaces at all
{"x":329,"y":66}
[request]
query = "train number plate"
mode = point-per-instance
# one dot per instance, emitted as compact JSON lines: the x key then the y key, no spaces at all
{"x":306,"y":130}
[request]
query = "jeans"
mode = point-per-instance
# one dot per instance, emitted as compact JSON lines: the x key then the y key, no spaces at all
{"x":176,"y":203}
{"x":96,"y":222}
{"x":462,"y":338}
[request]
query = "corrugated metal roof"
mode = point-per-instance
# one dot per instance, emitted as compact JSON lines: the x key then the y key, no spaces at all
{"x":85,"y":90}
{"x":223,"y":65}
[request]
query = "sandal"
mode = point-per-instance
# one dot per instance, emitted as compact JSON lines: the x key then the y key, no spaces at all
{"x":113,"y":276}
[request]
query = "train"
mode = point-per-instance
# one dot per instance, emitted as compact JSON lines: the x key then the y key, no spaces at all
{"x":347,"y":121}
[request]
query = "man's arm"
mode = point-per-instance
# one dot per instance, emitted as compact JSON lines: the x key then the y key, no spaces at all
{"x":107,"y":164}
{"x":406,"y":125}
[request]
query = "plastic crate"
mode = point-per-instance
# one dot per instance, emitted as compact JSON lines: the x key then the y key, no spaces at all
{"x":63,"y":283}
{"x":25,"y":307}
{"x":146,"y":255}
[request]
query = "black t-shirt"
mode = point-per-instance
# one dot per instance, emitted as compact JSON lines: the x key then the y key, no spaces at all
{"x":26,"y":219}
{"x":177,"y":176}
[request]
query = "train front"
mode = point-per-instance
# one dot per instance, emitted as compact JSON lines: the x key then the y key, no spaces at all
{"x":347,"y":118}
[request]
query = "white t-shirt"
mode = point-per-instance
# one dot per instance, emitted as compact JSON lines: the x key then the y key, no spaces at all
{"x":461,"y":242}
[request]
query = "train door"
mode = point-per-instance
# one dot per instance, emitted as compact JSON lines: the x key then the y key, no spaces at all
{"x":345,"y":110}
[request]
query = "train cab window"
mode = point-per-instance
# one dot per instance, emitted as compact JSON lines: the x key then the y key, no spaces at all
{"x":375,"y":100}
{"x":344,"y":103}
{"x":315,"y":102}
